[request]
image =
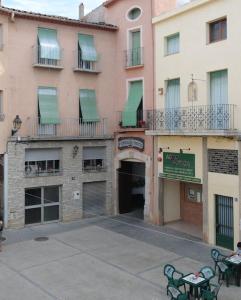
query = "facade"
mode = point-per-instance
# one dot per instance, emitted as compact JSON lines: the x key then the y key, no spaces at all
{"x":134,"y":97}
{"x":55,"y":83}
{"x":196,"y":124}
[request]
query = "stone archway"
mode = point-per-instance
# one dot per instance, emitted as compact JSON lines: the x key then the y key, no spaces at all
{"x":130,"y":155}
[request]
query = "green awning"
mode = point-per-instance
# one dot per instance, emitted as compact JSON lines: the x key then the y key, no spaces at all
{"x":48,"y":107}
{"x":86,"y":43}
{"x":129,"y":115}
{"x":48,"y":43}
{"x":88,"y":106}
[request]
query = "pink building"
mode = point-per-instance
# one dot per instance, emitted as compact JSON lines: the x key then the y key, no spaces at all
{"x":74,"y":102}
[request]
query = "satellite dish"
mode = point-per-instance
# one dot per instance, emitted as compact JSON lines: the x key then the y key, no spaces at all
{"x":192,"y":91}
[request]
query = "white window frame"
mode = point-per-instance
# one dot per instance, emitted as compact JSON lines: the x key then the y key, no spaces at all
{"x":166,"y":44}
{"x":128,"y":11}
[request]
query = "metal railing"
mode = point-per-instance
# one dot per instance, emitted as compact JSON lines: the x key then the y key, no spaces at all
{"x":47,"y":56}
{"x":94,"y":169}
{"x":140,"y":119}
{"x":68,"y":127}
{"x":35,"y":172}
{"x":193,"y":118}
{"x":85,"y":65}
{"x":134,"y":57}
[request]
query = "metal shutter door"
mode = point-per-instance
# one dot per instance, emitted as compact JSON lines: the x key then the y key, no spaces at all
{"x":94,"y":198}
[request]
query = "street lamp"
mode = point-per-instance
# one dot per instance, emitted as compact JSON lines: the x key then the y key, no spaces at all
{"x":17,"y":122}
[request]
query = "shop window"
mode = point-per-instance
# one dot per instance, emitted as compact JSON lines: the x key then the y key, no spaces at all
{"x":42,"y":205}
{"x":194,"y":195}
{"x":94,"y":159}
{"x":40,"y":162}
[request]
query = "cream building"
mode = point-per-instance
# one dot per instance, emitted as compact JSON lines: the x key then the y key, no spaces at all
{"x":196,"y":123}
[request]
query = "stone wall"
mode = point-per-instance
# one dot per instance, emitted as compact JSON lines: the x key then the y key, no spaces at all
{"x":70,"y":180}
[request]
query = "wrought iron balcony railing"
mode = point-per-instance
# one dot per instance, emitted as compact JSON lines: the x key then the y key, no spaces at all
{"x":68,"y":127}
{"x":49,"y":57}
{"x":218,"y":117}
{"x":85,"y":65}
{"x":134,"y":57}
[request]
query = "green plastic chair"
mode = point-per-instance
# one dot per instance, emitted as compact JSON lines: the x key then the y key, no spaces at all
{"x":225,"y":272}
{"x":174,"y":277}
{"x":207,"y":273}
{"x":216,"y":257}
{"x":176,"y":294}
{"x":212,"y":293}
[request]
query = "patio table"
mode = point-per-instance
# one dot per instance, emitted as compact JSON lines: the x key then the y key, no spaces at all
{"x":195,"y":282}
{"x":235,"y":261}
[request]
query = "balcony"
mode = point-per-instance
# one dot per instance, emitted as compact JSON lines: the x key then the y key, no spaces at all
{"x":41,"y":62}
{"x":68,"y":128}
{"x":134,"y":58}
{"x":84,"y":65}
{"x":193,"y":120}
{"x":140,"y":125}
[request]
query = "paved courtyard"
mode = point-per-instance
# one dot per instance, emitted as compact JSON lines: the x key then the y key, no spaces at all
{"x":104,"y":258}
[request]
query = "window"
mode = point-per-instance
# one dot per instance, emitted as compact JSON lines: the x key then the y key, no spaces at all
{"x":134,"y":55}
{"x":218,"y":30}
{"x":134,"y":13}
{"x":132,"y":115}
{"x":48,"y":111}
{"x":194,"y":195}
{"x":1,"y":106}
{"x":94,"y":159}
{"x":87,"y":55}
{"x":42,"y":162}
{"x":173,"y":44}
{"x":42,"y":204}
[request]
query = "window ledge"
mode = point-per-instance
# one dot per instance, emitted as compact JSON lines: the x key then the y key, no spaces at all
{"x":36,"y":175}
{"x":86,"y":71}
{"x":48,"y":67}
{"x":103,"y":170}
{"x":134,"y":67}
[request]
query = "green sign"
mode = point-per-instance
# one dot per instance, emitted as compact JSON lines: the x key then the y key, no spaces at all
{"x":181,"y":178}
{"x":179,"y":164}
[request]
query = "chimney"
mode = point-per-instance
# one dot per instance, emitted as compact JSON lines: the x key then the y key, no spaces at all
{"x":81,"y":11}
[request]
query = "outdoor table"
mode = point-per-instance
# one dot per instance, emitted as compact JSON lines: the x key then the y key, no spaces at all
{"x":195,"y":282}
{"x":235,"y":261}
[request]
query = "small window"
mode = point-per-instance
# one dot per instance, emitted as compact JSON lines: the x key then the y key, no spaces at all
{"x":134,"y":13}
{"x":194,"y":195}
{"x":218,"y":30}
{"x":94,"y":159}
{"x":173,"y":44}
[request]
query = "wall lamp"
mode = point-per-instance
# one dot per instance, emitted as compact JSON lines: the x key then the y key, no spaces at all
{"x":161,"y":149}
{"x":181,"y":150}
{"x":17,"y":122}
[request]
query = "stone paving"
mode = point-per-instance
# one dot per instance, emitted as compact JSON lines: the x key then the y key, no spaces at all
{"x":103,"y":258}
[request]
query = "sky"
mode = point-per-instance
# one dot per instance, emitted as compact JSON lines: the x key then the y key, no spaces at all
{"x":67,"y":8}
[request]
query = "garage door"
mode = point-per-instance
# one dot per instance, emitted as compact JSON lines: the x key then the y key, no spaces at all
{"x":94,"y":198}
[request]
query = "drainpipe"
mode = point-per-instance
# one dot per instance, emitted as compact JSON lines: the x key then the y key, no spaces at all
{"x":5,"y":191}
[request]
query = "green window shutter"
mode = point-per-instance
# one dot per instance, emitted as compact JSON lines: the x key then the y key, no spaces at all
{"x":48,"y":42}
{"x":136,"y":48}
{"x":219,"y":87}
{"x":88,"y":106}
{"x":129,"y":116}
{"x":86,"y":44}
{"x":173,"y":44}
{"x":48,"y":106}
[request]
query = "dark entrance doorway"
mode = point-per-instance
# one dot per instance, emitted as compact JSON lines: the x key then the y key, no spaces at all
{"x":224,"y":222}
{"x":131,"y":177}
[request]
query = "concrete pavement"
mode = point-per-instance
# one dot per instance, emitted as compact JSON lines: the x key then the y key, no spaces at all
{"x":97,"y":259}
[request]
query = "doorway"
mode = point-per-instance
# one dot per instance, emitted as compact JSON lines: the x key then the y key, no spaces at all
{"x":131,"y":178}
{"x":224,"y":222}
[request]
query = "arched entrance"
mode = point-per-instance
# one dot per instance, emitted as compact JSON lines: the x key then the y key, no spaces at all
{"x":132,"y":183}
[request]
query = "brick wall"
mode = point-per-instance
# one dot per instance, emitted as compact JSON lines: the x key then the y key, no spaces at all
{"x":223,"y":161}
